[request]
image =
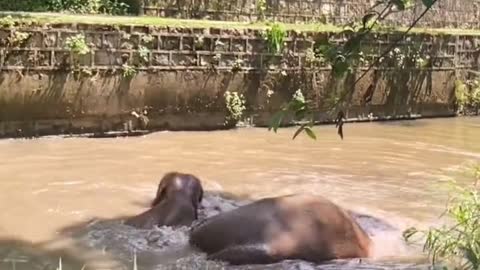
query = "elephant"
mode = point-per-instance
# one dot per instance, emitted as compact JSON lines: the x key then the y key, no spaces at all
{"x":176,"y":203}
{"x":270,"y":230}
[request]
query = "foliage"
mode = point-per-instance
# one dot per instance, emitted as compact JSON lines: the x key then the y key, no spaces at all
{"x":298,"y":106}
{"x":458,"y":243}
{"x":24,"y":5}
{"x":467,"y":95}
{"x":128,"y":71}
{"x":113,"y":7}
{"x":77,"y":44}
{"x":275,"y":38}
{"x":261,"y":8}
{"x":16,"y":38}
{"x":349,"y":56}
{"x":474,"y":94}
{"x":144,"y":53}
{"x":461,"y":94}
{"x":235,"y":104}
{"x":237,"y":65}
{"x":7,"y":22}
{"x":147,"y":39}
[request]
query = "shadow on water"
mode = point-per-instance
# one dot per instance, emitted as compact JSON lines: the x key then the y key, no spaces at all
{"x":109,"y":244}
{"x":21,"y":255}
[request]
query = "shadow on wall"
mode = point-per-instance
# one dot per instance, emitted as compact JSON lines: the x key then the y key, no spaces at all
{"x":58,"y":103}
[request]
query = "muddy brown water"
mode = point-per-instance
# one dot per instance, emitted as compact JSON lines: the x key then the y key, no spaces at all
{"x":64,"y":197}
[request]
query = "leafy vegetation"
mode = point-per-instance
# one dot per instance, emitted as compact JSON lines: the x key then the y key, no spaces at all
{"x":78,"y":47}
{"x":275,"y":38}
{"x":298,"y":106}
{"x":344,"y":59}
{"x":128,"y":71}
{"x":77,"y":44}
{"x":467,"y":96}
{"x":458,"y":243}
{"x":147,"y":39}
{"x":144,"y":53}
{"x":113,"y":7}
{"x":235,"y":104}
{"x":17,"y":38}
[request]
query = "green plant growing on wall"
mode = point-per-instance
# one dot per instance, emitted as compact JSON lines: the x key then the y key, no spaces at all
{"x":475,"y":94}
{"x":17,"y":38}
{"x":461,"y":95}
{"x":312,"y":58}
{"x":77,"y":47}
{"x":148,"y":39}
{"x":235,"y":104}
{"x":467,"y":95}
{"x":77,"y":44}
{"x":144,"y":53}
{"x":237,"y":65}
{"x":128,"y":71}
{"x":7,"y":22}
{"x":199,"y":42}
{"x":275,"y":36}
{"x":458,"y":243}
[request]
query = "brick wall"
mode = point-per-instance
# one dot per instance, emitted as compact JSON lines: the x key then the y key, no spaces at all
{"x":182,"y":74}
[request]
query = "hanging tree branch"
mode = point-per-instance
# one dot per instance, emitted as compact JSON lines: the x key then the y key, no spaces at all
{"x":428,"y":7}
{"x":341,"y":58}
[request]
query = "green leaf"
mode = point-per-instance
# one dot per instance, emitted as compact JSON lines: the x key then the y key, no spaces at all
{"x":299,"y":130}
{"x":310,"y":133}
{"x":428,"y":3}
{"x":326,"y":50}
{"x":408,"y":233}
{"x":340,"y":68}
{"x":276,"y":121}
{"x":300,"y":114}
{"x":347,"y":30}
{"x":367,"y":18}
{"x":353,"y":44}
{"x":402,"y":4}
{"x":296,"y":105}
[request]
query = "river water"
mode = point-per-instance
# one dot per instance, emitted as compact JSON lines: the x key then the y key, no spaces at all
{"x":64,"y":197}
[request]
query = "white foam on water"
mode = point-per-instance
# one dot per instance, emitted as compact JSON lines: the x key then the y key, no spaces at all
{"x":167,"y":248}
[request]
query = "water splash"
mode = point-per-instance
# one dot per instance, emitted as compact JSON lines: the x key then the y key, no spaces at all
{"x":167,"y":248}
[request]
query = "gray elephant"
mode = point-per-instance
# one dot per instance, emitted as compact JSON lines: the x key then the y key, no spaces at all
{"x":176,"y":203}
{"x":270,"y":230}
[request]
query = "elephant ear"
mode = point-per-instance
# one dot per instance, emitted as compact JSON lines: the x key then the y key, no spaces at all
{"x":160,"y":193}
{"x":198,"y":195}
{"x":157,"y":199}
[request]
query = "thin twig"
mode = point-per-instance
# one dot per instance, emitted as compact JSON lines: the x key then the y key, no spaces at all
{"x":395,"y":43}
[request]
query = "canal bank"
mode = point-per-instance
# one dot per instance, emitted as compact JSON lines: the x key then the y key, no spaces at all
{"x":62,"y":77}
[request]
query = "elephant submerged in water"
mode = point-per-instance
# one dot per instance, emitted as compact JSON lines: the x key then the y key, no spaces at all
{"x":176,"y":203}
{"x":270,"y":230}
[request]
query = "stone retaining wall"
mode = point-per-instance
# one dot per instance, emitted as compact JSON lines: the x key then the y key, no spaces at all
{"x":182,"y":74}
